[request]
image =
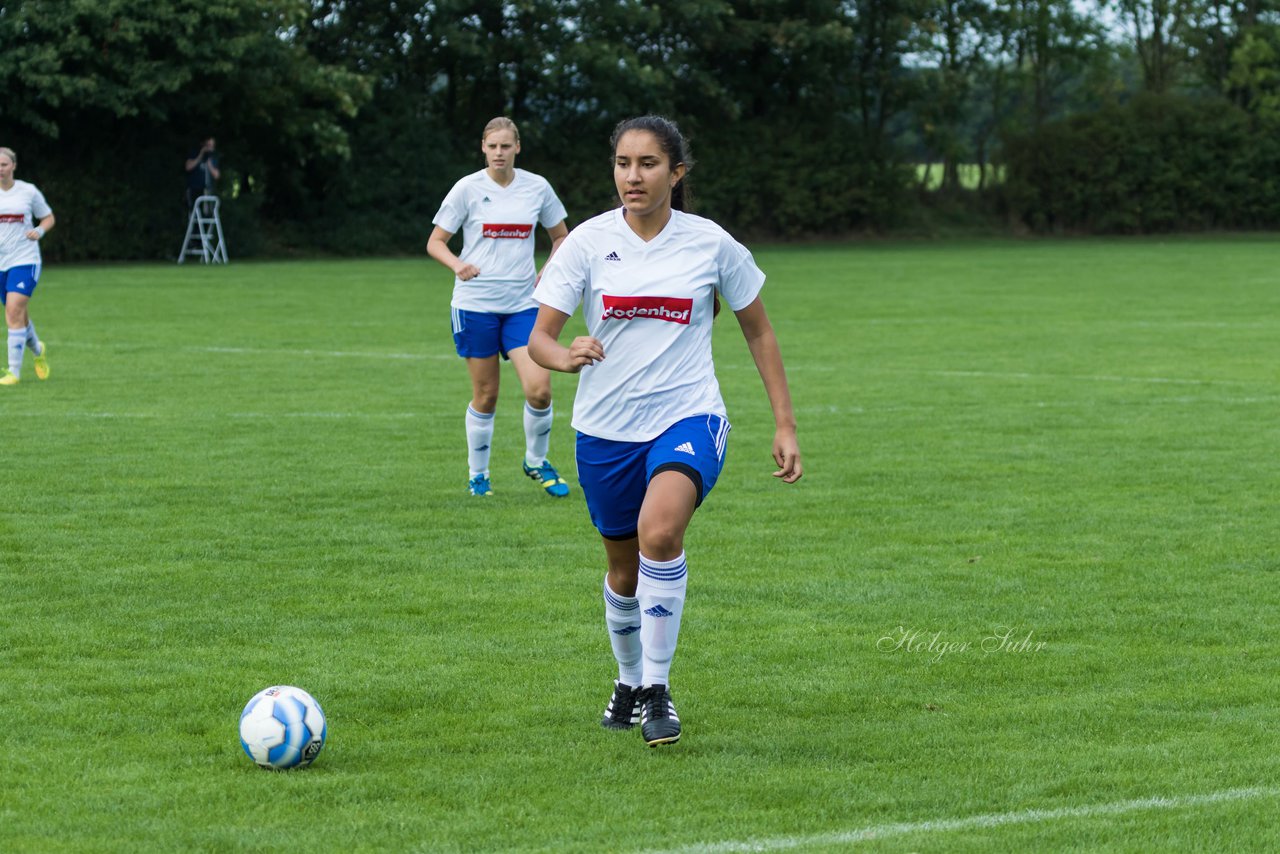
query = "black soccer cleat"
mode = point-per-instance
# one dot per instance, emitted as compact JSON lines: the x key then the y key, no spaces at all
{"x":623,"y":711}
{"x":659,"y":722}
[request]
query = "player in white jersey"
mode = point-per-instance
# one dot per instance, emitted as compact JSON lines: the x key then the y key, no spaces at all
{"x":651,"y":421}
{"x":497,"y":210}
{"x":21,"y":205}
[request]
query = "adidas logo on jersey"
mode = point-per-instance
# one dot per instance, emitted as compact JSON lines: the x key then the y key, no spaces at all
{"x":686,"y":448}
{"x":485,"y":200}
{"x":612,"y":256}
{"x":658,"y":611}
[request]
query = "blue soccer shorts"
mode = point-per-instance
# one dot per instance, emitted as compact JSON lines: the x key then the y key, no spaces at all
{"x":481,"y":334}
{"x":615,"y":475}
{"x":19,"y":280}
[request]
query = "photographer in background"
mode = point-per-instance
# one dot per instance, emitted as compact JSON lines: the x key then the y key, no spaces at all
{"x":202,"y":171}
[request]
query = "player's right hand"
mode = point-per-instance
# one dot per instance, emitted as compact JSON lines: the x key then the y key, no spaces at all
{"x":583,"y":351}
{"x":467,"y":272}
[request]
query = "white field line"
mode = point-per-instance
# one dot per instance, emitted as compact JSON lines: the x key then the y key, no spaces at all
{"x":181,"y":416}
{"x":336,"y":354}
{"x":832,"y":409}
{"x":825,"y":367}
{"x":1101,"y":378}
{"x":975,"y":822}
{"x":281,"y":351}
{"x":1141,"y":324}
{"x":803,"y":367}
{"x":1198,"y":324}
{"x":821,"y":409}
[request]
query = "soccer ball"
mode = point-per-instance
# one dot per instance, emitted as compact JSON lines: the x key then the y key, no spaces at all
{"x":282,"y":727}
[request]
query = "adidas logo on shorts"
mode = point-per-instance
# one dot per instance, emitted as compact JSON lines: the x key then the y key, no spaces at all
{"x":686,"y":448}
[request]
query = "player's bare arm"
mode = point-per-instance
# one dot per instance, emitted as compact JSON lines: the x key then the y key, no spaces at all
{"x":557,"y":233}
{"x":545,"y":347}
{"x":763,"y":344}
{"x":42,"y":228}
{"x":438,"y":248}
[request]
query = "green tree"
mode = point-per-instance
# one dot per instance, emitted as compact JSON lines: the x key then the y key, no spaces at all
{"x":1216,"y":30}
{"x":1255,"y":73}
{"x":1160,"y":31}
{"x":954,"y":44}
{"x":1054,"y":44}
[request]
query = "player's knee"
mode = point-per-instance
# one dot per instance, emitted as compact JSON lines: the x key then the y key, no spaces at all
{"x":659,"y":541}
{"x":623,"y":577}
{"x":484,"y":398}
{"x":538,"y":397}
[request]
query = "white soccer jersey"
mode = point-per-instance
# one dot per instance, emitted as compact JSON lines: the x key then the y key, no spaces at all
{"x":20,"y":208}
{"x":650,"y":305}
{"x":497,"y":226}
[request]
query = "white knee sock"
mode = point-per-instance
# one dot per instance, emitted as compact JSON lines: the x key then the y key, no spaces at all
{"x":479,"y":438}
{"x":32,"y":341}
{"x":661,"y":593}
{"x":17,"y":340}
{"x":622,"y":617}
{"x":537,"y":435}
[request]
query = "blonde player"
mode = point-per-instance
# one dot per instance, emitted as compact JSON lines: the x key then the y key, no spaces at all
{"x":650,"y":418}
{"x":21,"y":204}
{"x":497,"y":210}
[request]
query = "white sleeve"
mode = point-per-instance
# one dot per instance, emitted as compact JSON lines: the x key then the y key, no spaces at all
{"x":564,"y":278}
{"x":740,"y":278}
{"x":453,"y":210}
{"x":553,"y":212}
{"x":39,"y":207}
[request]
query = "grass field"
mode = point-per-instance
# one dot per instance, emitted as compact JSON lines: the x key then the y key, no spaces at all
{"x":1023,"y":599}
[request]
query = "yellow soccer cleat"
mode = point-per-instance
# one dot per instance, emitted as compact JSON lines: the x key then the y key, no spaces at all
{"x":42,"y":363}
{"x":8,"y":379}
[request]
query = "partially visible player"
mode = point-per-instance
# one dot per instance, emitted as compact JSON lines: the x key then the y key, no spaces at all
{"x":650,"y":418}
{"x":497,"y":210}
{"x":21,"y":204}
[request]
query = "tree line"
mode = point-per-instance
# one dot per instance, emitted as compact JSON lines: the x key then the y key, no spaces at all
{"x":342,"y":123}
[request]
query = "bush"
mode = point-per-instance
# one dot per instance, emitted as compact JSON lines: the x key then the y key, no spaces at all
{"x":1156,"y":164}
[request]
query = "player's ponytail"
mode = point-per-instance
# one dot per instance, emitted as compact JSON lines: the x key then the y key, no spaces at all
{"x":681,"y":197}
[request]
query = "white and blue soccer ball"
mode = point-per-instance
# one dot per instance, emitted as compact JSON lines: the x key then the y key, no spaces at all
{"x":282,"y":727}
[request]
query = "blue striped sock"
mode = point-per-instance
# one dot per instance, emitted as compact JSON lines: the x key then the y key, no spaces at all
{"x":622,"y":617}
{"x":661,"y":591}
{"x":479,"y":438}
{"x":32,"y":341}
{"x":17,"y":341}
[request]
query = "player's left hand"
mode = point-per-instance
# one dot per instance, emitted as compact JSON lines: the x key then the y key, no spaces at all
{"x":786,"y":453}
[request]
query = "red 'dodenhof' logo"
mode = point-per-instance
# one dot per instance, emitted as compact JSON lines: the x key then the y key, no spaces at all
{"x":12,"y":218}
{"x":515,"y":231}
{"x":673,"y":309}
